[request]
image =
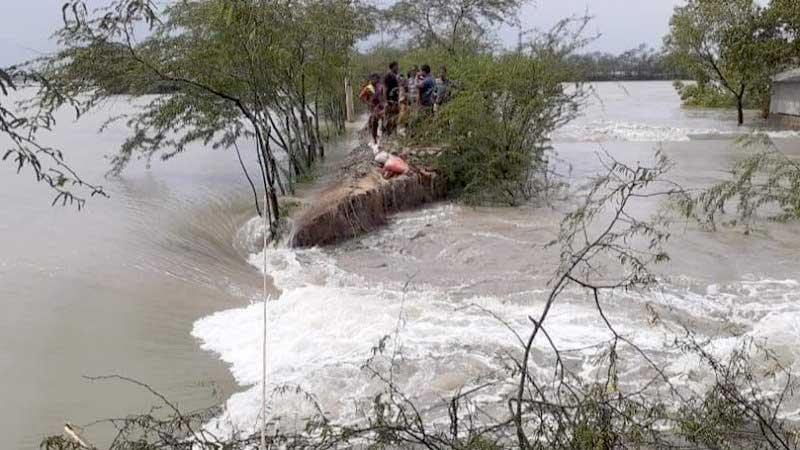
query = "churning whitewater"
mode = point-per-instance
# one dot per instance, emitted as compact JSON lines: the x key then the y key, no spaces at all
{"x":325,"y":323}
{"x":451,"y":285}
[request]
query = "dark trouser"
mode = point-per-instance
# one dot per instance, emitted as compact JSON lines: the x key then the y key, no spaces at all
{"x":374,"y":123}
{"x":392,"y":112}
{"x":418,"y":116}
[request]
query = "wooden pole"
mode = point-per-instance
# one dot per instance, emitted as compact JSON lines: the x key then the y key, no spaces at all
{"x":348,"y":99}
{"x":265,"y":298}
{"x":73,"y":433}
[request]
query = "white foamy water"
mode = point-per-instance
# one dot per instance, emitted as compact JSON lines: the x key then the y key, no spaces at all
{"x":141,"y":268}
{"x":324,"y":326}
{"x":651,"y":112}
{"x":604,"y":131}
{"x":337,"y":304}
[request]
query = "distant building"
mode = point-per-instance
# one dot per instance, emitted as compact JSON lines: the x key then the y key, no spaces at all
{"x":785,"y":104}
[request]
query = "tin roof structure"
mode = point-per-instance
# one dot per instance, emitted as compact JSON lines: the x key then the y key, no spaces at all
{"x":790,"y":76}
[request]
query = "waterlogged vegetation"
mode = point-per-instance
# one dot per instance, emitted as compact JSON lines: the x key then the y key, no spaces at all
{"x":494,"y":132}
{"x":706,"y":95}
{"x":764,"y":185}
{"x":732,"y":49}
{"x":265,"y":80}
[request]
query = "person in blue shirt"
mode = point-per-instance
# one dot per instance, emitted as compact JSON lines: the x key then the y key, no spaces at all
{"x":427,"y":89}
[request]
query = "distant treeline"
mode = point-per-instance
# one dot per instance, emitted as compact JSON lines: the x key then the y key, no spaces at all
{"x":641,"y":63}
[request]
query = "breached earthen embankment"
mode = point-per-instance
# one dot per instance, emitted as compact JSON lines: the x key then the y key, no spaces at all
{"x":362,"y":200}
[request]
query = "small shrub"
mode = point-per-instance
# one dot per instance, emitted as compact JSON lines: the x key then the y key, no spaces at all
{"x":496,"y":128}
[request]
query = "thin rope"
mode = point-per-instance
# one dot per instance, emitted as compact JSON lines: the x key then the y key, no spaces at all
{"x":264,"y":341}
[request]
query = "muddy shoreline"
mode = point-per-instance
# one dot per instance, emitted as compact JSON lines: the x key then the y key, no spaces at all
{"x":363,"y":199}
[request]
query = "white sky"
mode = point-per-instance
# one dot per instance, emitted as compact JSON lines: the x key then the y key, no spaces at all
{"x":26,"y":25}
{"x":622,"y":24}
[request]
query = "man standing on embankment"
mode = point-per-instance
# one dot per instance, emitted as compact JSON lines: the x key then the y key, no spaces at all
{"x":391,"y":85}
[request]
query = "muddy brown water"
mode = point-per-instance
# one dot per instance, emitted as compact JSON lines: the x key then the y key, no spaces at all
{"x":119,"y":287}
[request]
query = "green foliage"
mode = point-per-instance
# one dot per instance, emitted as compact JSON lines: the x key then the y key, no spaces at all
{"x":268,"y":72}
{"x":709,"y":423}
{"x":455,"y":26}
{"x":716,"y":42}
{"x":767,"y":182}
{"x":736,"y":411}
{"x":480,"y":443}
{"x":375,"y":60}
{"x":731,"y":48}
{"x":495,"y":129}
{"x":21,"y":122}
{"x":435,"y":57}
{"x":109,"y":70}
{"x":704,"y":95}
{"x":784,"y":15}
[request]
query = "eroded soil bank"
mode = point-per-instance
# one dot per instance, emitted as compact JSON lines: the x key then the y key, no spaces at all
{"x":362,"y":199}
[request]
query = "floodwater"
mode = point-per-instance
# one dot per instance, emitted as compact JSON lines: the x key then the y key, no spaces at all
{"x":157,"y":283}
{"x":115,"y":288}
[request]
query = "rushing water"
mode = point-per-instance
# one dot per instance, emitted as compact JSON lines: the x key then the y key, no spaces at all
{"x":140,"y":284}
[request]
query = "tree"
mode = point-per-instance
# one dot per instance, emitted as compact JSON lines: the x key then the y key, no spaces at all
{"x":721,"y":42}
{"x":453,"y":25}
{"x":767,"y":181}
{"x":245,"y":71}
{"x":22,"y":125}
{"x":781,"y":22}
{"x":495,"y":129}
{"x":785,"y":15}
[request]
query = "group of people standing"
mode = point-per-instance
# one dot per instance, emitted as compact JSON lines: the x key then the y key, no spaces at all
{"x":394,"y":97}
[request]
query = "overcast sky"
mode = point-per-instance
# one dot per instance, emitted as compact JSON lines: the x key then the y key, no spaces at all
{"x":622,"y":24}
{"x":26,"y":25}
